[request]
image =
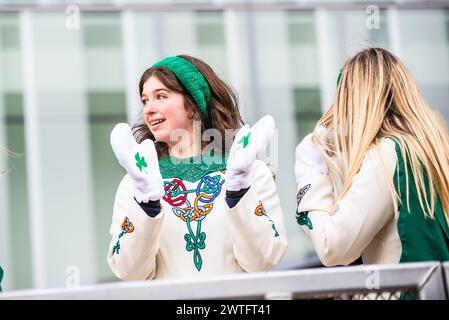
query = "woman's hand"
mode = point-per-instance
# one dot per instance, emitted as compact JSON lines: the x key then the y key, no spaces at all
{"x":308,"y":158}
{"x":140,"y":162}
{"x":248,"y":146}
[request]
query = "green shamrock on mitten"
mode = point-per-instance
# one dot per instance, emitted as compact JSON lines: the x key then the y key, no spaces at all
{"x":140,"y":162}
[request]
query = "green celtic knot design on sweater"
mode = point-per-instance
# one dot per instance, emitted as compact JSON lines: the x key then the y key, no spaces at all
{"x":207,"y":190}
{"x":195,"y":243}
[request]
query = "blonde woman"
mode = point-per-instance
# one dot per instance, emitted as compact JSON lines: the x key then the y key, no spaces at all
{"x":373,"y":177}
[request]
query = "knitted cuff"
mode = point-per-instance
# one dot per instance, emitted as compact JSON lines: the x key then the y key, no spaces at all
{"x":233,"y":197}
{"x":151,"y":208}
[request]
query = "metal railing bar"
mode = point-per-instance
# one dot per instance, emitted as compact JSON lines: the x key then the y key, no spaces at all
{"x":299,"y":283}
{"x":235,"y":6}
{"x":432,"y":285}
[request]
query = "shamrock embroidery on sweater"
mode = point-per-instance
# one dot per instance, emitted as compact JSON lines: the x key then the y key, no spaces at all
{"x":127,"y":227}
{"x":260,"y":211}
{"x":302,"y":218}
{"x":206,"y":191}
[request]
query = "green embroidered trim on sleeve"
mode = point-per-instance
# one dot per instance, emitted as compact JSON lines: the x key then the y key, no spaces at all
{"x":302,"y":218}
{"x":261,"y":211}
{"x":127,"y":227}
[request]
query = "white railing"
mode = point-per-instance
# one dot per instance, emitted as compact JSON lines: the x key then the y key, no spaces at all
{"x":235,"y":5}
{"x":424,"y":280}
{"x":445,"y":267}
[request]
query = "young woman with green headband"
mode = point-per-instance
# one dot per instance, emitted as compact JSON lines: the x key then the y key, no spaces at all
{"x":373,"y":178}
{"x":182,"y":209}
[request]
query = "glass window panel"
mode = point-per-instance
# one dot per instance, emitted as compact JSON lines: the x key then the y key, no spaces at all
{"x":15,"y":238}
{"x":303,"y":59}
{"x":64,"y":158}
{"x":106,"y":107}
{"x":424,"y":48}
{"x":211,"y":41}
{"x":273,"y":33}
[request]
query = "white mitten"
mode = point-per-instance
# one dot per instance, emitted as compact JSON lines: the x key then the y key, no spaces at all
{"x":249,"y":144}
{"x":140,"y":162}
{"x":308,"y":158}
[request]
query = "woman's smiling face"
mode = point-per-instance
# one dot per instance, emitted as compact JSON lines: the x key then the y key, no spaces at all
{"x":164,"y":110}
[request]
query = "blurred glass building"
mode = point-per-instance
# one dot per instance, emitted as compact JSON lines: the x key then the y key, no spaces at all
{"x":69,"y":73}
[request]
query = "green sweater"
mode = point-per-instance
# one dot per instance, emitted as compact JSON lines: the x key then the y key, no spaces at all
{"x":422,"y":238}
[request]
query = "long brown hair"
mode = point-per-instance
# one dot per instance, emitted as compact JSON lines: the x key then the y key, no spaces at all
{"x":223,"y":109}
{"x":378,"y":98}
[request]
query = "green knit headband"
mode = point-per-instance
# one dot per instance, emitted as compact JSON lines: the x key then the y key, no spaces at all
{"x":192,"y":80}
{"x":339,"y":76}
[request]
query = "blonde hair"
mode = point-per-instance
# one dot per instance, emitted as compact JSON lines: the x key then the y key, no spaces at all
{"x":378,"y":98}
